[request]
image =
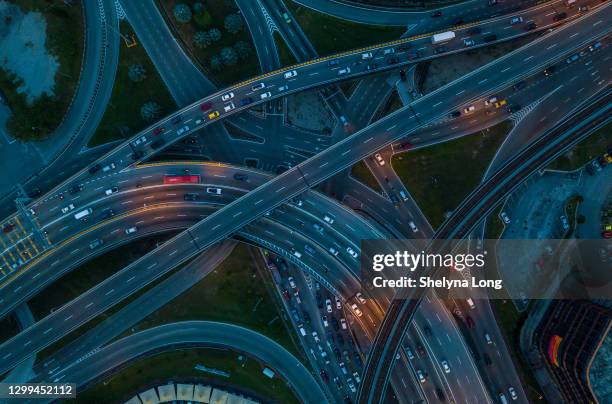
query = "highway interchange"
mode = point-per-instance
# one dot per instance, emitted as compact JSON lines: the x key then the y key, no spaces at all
{"x":278,"y":213}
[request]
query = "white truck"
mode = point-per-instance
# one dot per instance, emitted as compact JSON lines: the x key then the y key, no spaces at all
{"x":442,"y":37}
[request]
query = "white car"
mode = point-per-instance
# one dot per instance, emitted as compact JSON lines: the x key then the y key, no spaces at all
{"x":227,"y":97}
{"x":258,"y":86}
{"x":324,"y":321}
{"x":413,"y":227}
{"x":343,"y":324}
{"x":356,"y":310}
{"x":142,"y":139}
{"x":421,"y":376}
{"x":283,"y":88}
{"x":505,"y":217}
{"x":487,"y":338}
{"x":333,"y":251}
{"x":315,"y":336}
{"x":360,"y":297}
{"x":445,"y":366}
{"x":111,"y":191}
{"x":366,"y":55}
{"x":338,"y":302}
{"x":265,"y":95}
{"x":357,"y":378}
{"x":351,"y":385}
{"x":516,"y":20}
{"x":182,"y":130}
{"x":292,"y":282}
{"x":380,"y":160}
{"x":328,"y":305}
{"x":67,"y":208}
{"x":344,"y":71}
{"x":409,"y":353}
{"x":328,"y":219}
{"x":351,"y":252}
{"x":213,"y":190}
{"x":490,"y":101}
{"x":469,"y":109}
{"x":229,"y":107}
{"x":290,"y":74}
{"x":131,"y":230}
{"x":564,"y":222}
{"x":512,"y":392}
{"x":198,"y":121}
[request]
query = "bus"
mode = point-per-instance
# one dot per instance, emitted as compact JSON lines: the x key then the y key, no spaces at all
{"x":182,"y":179}
{"x":83,"y":213}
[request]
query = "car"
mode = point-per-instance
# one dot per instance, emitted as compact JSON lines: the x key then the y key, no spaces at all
{"x":490,"y":38}
{"x":158,"y":130}
{"x":549,"y":70}
{"x":307,"y":318}
{"x":295,"y":315}
{"x":531,"y":26}
{"x":265,"y":95}
{"x":560,"y":16}
{"x":500,"y":103}
{"x":356,"y":310}
{"x":107,"y":213}
{"x":177,"y":119}
{"x":75,"y":189}
{"x":455,"y":114}
{"x":351,"y":252}
{"x":204,"y":107}
{"x":595,"y":46}
{"x":343,"y":324}
{"x":427,"y":330}
{"x":258,"y":86}
{"x":445,"y":366}
{"x":421,"y":350}
{"x":467,"y":42}
{"x":469,"y":109}
{"x":470,"y":322}
{"x":94,"y":169}
{"x":309,"y":249}
{"x":380,"y":160}
{"x":283,"y":88}
{"x":504,"y":216}
{"x":440,"y":49}
{"x":333,"y":251}
{"x":328,"y":219}
{"x":158,"y":143}
{"x":286,"y":295}
{"x":190,"y":197}
{"x":421,"y":376}
{"x":491,"y":100}
{"x":213,"y":190}
{"x":596,"y":165}
{"x":512,"y":393}
{"x":333,"y":62}
{"x":67,"y":209}
{"x":316,"y":336}
{"x":245,"y":101}
{"x":338,"y":302}
{"x":229,"y":107}
{"x":318,"y":228}
{"x":413,"y":226}
{"x":351,"y":385}
{"x":111,"y":191}
{"x":344,"y":71}
{"x":286,"y":18}
{"x":583,"y":9}
{"x":366,"y":55}
{"x":213,"y":115}
{"x":564,"y":222}
{"x":606,"y":234}
{"x":324,"y":376}
{"x":487,"y":338}
{"x":324,"y":321}
{"x":516,"y":20}
{"x":131,"y":230}
{"x":292,"y":282}
{"x":241,"y":177}
{"x":290,"y":74}
{"x":436,"y":13}
{"x":227,"y":96}
{"x":374,"y":65}
{"x":328,"y":305}
{"x":357,"y":378}
{"x":388,"y":51}
{"x":360,"y":297}
{"x":408,"y":352}
{"x":95,"y":244}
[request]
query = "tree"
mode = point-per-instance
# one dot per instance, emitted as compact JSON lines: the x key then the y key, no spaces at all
{"x":216,"y":63}
{"x":150,"y":111}
{"x":233,"y":23}
{"x":198,"y":7}
{"x":201,"y":39}
{"x":229,"y":56}
{"x":242,"y":49}
{"x":137,"y":73}
{"x":203,"y":19}
{"x":214,"y":34}
{"x":182,"y":13}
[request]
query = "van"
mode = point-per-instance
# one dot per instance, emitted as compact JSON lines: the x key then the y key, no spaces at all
{"x":470,"y":303}
{"x":83,"y":213}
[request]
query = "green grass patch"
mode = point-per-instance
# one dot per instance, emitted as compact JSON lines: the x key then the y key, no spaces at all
{"x":65,"y":40}
{"x":284,"y":53}
{"x":180,"y":365}
{"x":331,"y":35}
{"x":122,"y":116}
{"x":213,"y":18}
{"x":362,"y":173}
{"x":235,"y":292}
{"x":439,"y":177}
{"x":594,"y":145}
